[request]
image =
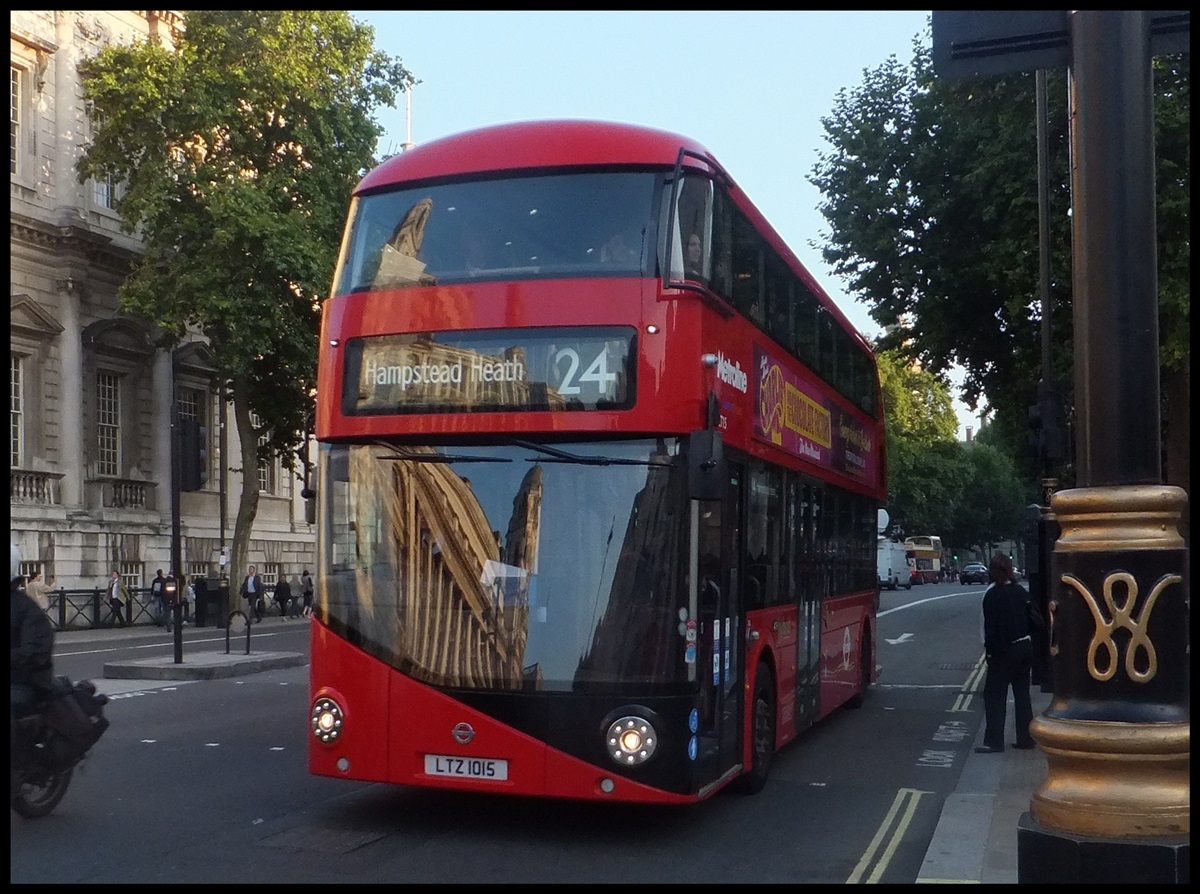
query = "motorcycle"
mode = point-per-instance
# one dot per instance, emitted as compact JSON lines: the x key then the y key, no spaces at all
{"x":50,"y":743}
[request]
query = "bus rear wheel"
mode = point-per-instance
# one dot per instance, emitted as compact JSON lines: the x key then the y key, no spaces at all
{"x":763,"y":734}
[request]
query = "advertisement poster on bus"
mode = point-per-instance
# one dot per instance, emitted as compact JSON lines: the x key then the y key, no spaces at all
{"x":794,"y":412}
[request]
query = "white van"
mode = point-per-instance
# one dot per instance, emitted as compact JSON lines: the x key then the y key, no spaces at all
{"x":891,"y":561}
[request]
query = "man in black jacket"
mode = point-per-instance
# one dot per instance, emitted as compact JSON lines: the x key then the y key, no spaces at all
{"x":1008,"y":643}
{"x":283,"y":594}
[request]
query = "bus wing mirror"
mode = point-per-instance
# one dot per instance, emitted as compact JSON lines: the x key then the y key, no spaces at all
{"x":310,"y":505}
{"x":706,"y":465}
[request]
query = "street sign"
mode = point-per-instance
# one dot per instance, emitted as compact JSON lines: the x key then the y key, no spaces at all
{"x":975,"y":43}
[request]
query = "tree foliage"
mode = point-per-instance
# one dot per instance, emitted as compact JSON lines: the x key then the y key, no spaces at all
{"x":930,"y":193}
{"x":237,"y":152}
{"x":969,"y":494}
{"x":924,"y":475}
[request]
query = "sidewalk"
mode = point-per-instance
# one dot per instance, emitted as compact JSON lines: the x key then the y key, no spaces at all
{"x":976,"y":837}
{"x":205,"y":660}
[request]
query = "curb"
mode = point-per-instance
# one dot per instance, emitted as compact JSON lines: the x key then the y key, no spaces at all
{"x":975,"y":841}
{"x":202,"y":666}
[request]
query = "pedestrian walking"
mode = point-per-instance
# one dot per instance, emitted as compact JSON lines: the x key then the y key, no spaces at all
{"x":306,"y":589}
{"x":1008,"y":644}
{"x":38,"y":591}
{"x":118,"y":597}
{"x":189,"y":600}
{"x":157,"y":604}
{"x":283,"y":594}
{"x":178,"y":595}
{"x":297,"y":603}
{"x":199,"y":587}
{"x":252,"y":591}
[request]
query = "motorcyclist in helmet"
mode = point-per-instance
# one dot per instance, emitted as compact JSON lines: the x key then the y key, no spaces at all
{"x":32,"y":662}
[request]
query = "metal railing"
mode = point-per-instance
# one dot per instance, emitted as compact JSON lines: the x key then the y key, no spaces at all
{"x":88,"y":609}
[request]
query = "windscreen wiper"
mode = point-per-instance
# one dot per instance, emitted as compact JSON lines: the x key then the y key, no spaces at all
{"x":562,"y":456}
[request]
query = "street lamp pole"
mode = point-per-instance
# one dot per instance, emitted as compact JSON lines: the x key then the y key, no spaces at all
{"x":222,"y":446}
{"x":1115,"y":804}
{"x":176,"y":533}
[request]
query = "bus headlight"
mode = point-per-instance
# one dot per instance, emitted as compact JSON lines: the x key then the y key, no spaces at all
{"x":327,"y":719}
{"x":631,"y":741}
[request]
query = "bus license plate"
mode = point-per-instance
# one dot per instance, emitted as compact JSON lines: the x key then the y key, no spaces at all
{"x":466,"y":767}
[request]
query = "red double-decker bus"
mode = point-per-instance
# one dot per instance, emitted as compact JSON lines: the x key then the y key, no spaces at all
{"x":599,"y":471}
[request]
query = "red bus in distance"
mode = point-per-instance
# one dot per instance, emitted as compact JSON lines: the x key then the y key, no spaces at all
{"x":599,"y":469}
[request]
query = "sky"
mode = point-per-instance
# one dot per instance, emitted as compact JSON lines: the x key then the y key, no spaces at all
{"x":751,"y":87}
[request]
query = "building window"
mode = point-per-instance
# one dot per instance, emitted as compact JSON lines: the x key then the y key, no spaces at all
{"x":105,"y":194}
{"x":28,"y":568}
{"x":214,"y":435}
{"x":14,"y":138}
{"x":16,"y":413}
{"x":104,"y":189}
{"x":131,"y":575}
{"x":108,"y":429}
{"x":186,"y":400}
{"x":193,"y":404}
{"x":197,"y":571}
{"x":270,"y":574}
{"x":267,"y":472}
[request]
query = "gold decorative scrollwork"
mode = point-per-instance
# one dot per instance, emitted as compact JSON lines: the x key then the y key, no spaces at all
{"x":1121,"y":617}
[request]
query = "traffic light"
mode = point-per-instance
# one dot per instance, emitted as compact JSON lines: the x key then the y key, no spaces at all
{"x":193,"y":455}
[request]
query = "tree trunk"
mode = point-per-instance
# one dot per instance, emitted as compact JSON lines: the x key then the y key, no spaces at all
{"x":248,"y":500}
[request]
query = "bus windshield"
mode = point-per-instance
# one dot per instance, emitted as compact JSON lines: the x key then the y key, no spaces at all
{"x":522,"y":566}
{"x":582,"y":223}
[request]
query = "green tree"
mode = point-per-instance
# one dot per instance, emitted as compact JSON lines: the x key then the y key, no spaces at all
{"x":238,"y":151}
{"x":924,"y":459}
{"x":992,"y":501}
{"x":930,"y":193}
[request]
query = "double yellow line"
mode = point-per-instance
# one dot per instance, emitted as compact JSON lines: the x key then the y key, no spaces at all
{"x":970,"y":687}
{"x":899,"y":816}
{"x":887,"y":838}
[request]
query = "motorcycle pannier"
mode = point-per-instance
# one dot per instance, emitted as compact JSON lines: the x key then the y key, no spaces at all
{"x":75,"y":713}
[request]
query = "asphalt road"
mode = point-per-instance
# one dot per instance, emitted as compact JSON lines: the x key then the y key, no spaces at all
{"x":207,"y":782}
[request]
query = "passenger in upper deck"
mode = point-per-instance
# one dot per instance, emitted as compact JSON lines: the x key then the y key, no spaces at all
{"x":693,"y":259}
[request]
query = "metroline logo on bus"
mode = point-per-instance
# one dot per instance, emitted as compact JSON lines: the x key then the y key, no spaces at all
{"x":796,"y":413}
{"x":732,"y":373}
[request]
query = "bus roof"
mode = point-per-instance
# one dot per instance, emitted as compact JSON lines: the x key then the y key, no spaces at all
{"x":566,"y":142}
{"x":532,"y":144}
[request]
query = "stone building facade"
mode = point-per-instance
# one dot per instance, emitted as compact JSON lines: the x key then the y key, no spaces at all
{"x":91,"y":397}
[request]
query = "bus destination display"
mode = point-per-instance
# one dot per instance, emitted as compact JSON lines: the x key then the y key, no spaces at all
{"x":584,"y":368}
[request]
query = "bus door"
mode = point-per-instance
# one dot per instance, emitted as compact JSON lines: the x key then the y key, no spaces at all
{"x":719,"y":650}
{"x":804,"y":506}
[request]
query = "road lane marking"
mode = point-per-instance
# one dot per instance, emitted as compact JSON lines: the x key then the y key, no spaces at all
{"x":888,"y":836}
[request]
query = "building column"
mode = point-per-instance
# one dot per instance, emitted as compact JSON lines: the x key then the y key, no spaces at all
{"x":71,"y":390}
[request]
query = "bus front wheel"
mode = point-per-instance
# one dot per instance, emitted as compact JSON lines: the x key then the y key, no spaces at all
{"x":763,"y":734}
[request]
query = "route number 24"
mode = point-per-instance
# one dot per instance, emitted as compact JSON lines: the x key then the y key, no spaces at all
{"x":596,"y":372}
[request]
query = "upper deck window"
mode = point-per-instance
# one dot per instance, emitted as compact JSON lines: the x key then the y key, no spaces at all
{"x":590,"y":223}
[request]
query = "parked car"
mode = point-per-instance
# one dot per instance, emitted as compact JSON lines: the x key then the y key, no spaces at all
{"x":973,"y":573}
